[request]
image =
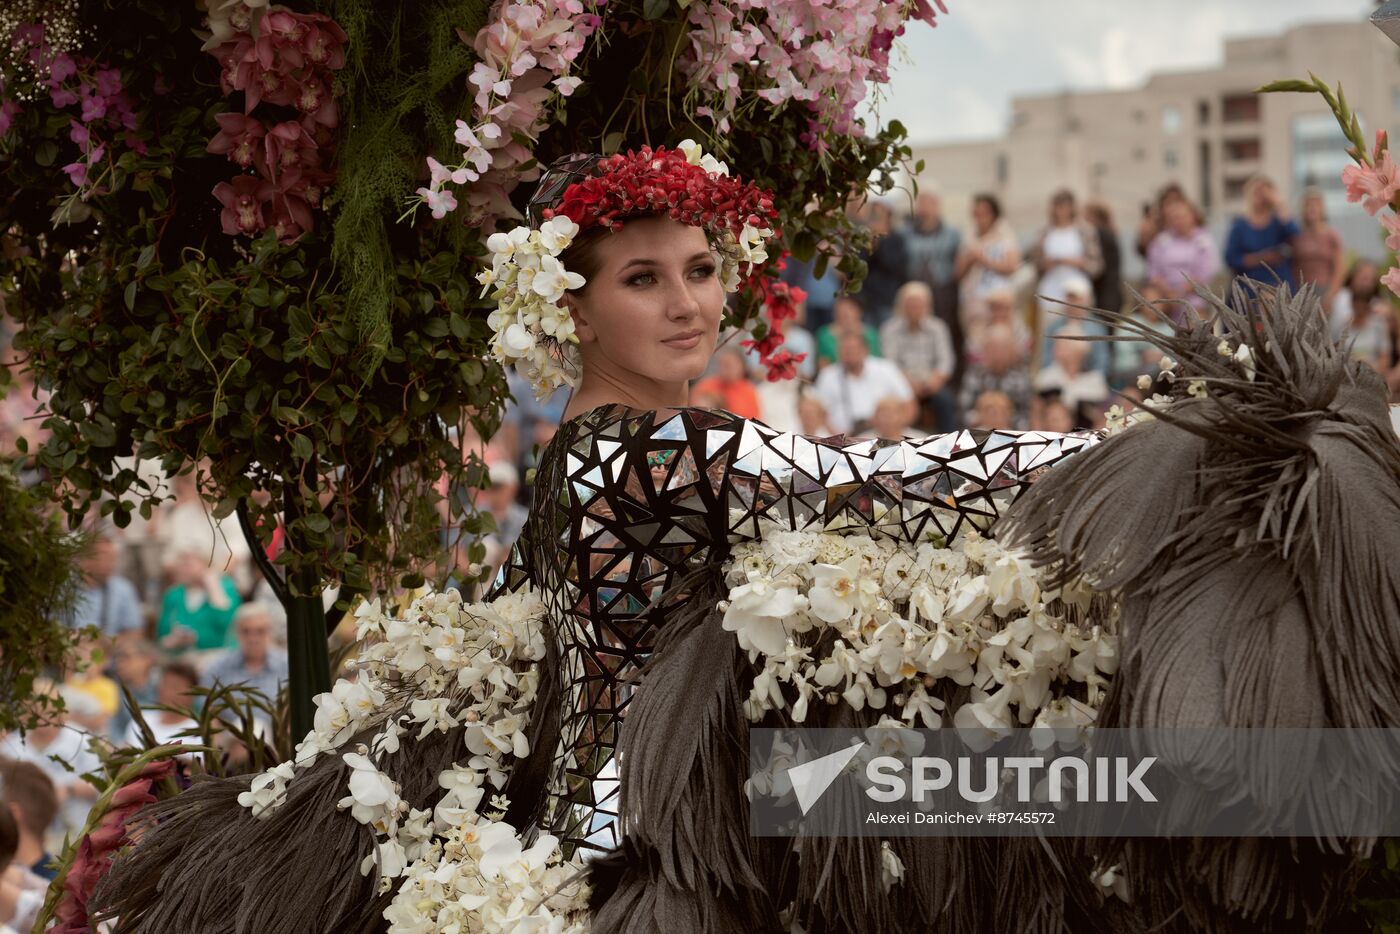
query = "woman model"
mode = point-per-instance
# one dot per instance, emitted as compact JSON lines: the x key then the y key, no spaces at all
{"x":636,"y":744}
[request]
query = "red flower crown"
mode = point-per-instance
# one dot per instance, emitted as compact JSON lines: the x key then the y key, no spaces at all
{"x":665,"y":182}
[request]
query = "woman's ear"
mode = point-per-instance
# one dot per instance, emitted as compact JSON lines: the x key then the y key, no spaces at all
{"x":582,"y":329}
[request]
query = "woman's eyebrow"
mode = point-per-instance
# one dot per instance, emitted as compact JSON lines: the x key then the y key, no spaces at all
{"x":650,"y":261}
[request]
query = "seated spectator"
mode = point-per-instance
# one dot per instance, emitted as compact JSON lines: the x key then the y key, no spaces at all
{"x":1134,"y":358}
{"x":1000,"y":311}
{"x":197,"y":608}
{"x":104,"y":599}
{"x":1072,"y":320}
{"x":922,"y":347}
{"x":30,"y":802}
{"x":88,"y":680}
{"x":133,"y":664}
{"x":731,"y":382}
{"x":847,"y":315}
{"x":850,"y":388}
{"x":994,"y":411}
{"x":1002,"y":368}
{"x":61,"y":752}
{"x":29,"y":795}
{"x":811,"y":415}
{"x":1069,"y":376}
{"x":1049,"y":413}
{"x":891,"y":420}
{"x":173,"y":690}
{"x":502,"y":502}
{"x":255,"y":662}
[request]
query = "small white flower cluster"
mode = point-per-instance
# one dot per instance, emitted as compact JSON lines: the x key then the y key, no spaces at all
{"x":442,"y":665}
{"x":531,"y":326}
{"x":907,"y":615}
{"x":481,"y":878}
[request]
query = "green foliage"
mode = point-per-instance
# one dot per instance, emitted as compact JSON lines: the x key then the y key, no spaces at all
{"x":37,"y":584}
{"x":408,"y":70}
{"x":317,"y":384}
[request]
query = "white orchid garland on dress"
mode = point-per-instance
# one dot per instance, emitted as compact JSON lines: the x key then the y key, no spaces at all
{"x":531,"y":326}
{"x":461,"y":867}
{"x":906,"y":616}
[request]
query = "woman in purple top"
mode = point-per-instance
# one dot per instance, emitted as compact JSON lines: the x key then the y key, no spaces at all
{"x":1183,"y":255}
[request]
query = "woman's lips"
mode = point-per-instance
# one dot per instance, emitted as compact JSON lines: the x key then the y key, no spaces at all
{"x":684,"y":341}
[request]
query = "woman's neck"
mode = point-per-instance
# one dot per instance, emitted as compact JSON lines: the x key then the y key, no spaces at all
{"x":637,"y":394}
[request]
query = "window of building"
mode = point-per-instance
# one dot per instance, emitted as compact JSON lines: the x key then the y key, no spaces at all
{"x":1169,"y":158}
{"x":1244,"y":149}
{"x":1319,"y":155}
{"x":1240,"y":108}
{"x":1020,"y":118}
{"x":1171,"y":121}
{"x":1203,"y":112}
{"x":1395,"y":98}
{"x":1002,"y":168}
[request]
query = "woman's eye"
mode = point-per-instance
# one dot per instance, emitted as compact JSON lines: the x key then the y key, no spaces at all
{"x":703,"y":272}
{"x":641,"y":278}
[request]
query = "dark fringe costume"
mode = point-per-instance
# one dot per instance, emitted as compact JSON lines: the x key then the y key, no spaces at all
{"x":1253,"y":539}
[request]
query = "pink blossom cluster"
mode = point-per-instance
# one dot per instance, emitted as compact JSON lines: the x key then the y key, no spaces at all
{"x":526,"y":52}
{"x":284,"y":63}
{"x":1375,"y":182}
{"x":823,"y":53}
{"x":104,"y":109}
{"x":94,"y":857}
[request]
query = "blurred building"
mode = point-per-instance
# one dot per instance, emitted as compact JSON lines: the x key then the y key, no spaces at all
{"x":1205,"y":129}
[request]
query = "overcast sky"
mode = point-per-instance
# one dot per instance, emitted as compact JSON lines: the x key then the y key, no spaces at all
{"x":959,"y":78}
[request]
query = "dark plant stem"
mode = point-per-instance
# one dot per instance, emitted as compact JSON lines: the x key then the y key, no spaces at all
{"x":307,"y":654}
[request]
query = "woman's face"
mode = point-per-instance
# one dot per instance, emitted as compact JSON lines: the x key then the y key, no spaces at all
{"x":1062,"y":212}
{"x":1313,"y":210}
{"x":982,"y":216}
{"x":1363,"y":278}
{"x":1180,"y":218}
{"x":652,"y":310}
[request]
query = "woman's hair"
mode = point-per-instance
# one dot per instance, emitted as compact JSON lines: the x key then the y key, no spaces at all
{"x":1356,"y":267}
{"x":1100,"y":214}
{"x":1062,"y":196}
{"x":991,"y":201}
{"x":1313,"y":193}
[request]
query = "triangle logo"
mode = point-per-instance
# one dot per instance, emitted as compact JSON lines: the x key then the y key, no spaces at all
{"x":810,"y":780}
